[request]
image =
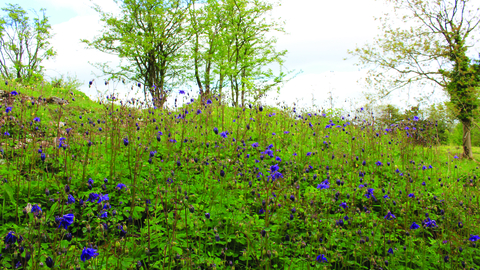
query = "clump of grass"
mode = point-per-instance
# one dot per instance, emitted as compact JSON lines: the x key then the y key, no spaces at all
{"x":117,"y":185}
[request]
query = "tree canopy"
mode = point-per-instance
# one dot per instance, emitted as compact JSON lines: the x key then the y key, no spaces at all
{"x":214,"y":44}
{"x":432,"y":46}
{"x":23,"y":45}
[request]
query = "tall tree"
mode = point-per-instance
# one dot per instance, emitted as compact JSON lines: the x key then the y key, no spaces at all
{"x":150,"y":35}
{"x":432,"y":46}
{"x":249,"y":50}
{"x":231,"y":47}
{"x":23,"y":45}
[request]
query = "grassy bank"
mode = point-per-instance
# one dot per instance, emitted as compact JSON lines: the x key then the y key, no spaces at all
{"x":110,"y":185}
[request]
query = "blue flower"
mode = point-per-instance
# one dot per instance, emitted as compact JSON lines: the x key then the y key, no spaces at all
{"x":215,"y":130}
{"x":102,"y":198}
{"x":389,"y":216}
{"x":369,"y":193}
{"x":254,"y":145}
{"x":390,"y":251}
{"x":209,"y":101}
{"x":320,"y":258}
{"x":343,"y":205}
{"x":474,"y":238}
{"x":49,"y":262}
{"x":120,"y":186}
{"x":125,"y":141}
{"x":8,"y":109}
{"x":207,"y":215}
{"x":66,"y":221}
{"x":411,"y":195}
{"x":104,"y":214}
{"x":36,"y":119}
{"x":88,"y":253}
{"x":92,"y":197}
{"x":223,"y":134}
{"x":181,"y":92}
{"x":36,"y":209}
{"x":414,"y":226}
{"x":324,"y":185}
{"x":11,"y":238}
{"x":14,"y":93}
{"x":42,"y":156}
{"x":429,"y":223}
{"x":274,"y":168}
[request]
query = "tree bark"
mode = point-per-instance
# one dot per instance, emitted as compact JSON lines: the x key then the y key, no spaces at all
{"x":467,"y":139}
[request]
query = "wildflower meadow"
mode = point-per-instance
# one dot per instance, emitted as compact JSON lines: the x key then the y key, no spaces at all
{"x":119,"y":184}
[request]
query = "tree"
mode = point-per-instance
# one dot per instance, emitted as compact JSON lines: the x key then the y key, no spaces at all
{"x":150,"y":35}
{"x":248,"y":50}
{"x":23,"y":46}
{"x":230,"y":46}
{"x":431,"y":47}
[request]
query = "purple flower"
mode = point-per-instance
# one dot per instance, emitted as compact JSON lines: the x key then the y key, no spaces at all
{"x":223,"y":134}
{"x":429,"y":223}
{"x":274,"y":168}
{"x":102,"y":198}
{"x":389,"y":216}
{"x":49,"y":262}
{"x":369,"y":193}
{"x":125,"y":141}
{"x":66,"y":221}
{"x":120,"y":186}
{"x":88,"y":253}
{"x":92,"y":197}
{"x":414,"y":226}
{"x":320,"y":258}
{"x":324,"y":185}
{"x":8,"y":109}
{"x":207,"y":215}
{"x":104,"y":214}
{"x":70,"y":199}
{"x":181,"y":92}
{"x":11,"y":238}
{"x":36,"y":119}
{"x":343,"y":205}
{"x":36,"y":209}
{"x":474,"y":238}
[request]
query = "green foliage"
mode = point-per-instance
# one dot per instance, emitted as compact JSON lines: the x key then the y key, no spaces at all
{"x":194,"y":197}
{"x":24,"y":45}
{"x":433,"y":48}
{"x":211,"y":44}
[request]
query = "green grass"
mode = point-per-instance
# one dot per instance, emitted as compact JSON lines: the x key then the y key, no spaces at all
{"x":197,"y":198}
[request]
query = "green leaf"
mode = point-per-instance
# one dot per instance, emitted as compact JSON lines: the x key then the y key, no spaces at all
{"x":9,"y":192}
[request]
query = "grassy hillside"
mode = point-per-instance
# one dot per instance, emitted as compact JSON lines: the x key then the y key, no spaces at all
{"x":110,"y":185}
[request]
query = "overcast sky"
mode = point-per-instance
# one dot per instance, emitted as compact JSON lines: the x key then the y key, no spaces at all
{"x":319,"y":34}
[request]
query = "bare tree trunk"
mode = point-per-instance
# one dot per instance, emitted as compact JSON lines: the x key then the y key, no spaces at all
{"x":467,"y":139}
